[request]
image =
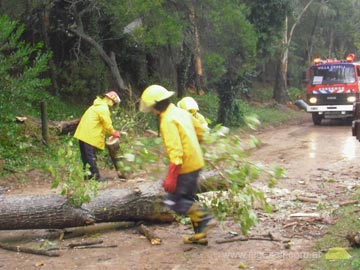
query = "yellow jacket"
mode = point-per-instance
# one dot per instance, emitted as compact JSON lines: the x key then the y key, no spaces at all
{"x":181,"y":134}
{"x":94,"y":124}
{"x":201,"y":119}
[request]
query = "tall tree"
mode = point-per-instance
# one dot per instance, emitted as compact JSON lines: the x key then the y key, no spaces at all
{"x":280,"y":92}
{"x":21,"y":67}
{"x":267,"y":18}
{"x":229,"y":42}
{"x":116,"y":29}
{"x":342,"y":32}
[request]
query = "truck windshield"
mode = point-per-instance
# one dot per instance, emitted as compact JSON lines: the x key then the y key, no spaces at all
{"x":332,"y":74}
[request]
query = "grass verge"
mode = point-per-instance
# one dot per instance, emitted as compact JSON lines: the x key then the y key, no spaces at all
{"x":347,"y":221}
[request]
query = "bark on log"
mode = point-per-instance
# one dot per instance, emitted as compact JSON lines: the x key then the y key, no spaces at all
{"x":65,"y":127}
{"x":61,"y":127}
{"x":53,"y":212}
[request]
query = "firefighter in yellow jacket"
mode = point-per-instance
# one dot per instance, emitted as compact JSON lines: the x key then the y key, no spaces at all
{"x":93,"y":126}
{"x":181,"y":134}
{"x":189,"y":104}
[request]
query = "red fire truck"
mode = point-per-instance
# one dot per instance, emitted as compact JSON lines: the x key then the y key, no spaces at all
{"x":332,"y":88}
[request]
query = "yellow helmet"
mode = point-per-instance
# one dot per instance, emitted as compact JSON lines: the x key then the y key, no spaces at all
{"x":153,"y":94}
{"x":113,"y":96}
{"x":188,"y":104}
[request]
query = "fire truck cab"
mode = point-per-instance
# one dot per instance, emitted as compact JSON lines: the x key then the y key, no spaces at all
{"x":332,"y":88}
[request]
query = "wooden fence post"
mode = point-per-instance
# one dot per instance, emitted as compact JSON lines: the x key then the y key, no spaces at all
{"x":44,"y":123}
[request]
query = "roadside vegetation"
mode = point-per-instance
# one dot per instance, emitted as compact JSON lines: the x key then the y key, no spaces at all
{"x":347,"y":220}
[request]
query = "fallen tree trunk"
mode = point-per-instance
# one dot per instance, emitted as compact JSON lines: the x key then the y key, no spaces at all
{"x":141,"y":203}
{"x":52,"y":211}
{"x":60,"y":127}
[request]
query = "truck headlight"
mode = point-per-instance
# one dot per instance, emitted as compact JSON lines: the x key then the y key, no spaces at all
{"x":351,"y":99}
{"x":313,"y":100}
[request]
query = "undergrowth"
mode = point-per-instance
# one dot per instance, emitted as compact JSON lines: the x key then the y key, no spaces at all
{"x":347,"y":220}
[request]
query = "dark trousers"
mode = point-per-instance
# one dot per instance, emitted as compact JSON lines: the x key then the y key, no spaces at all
{"x":185,"y":194}
{"x":88,"y":156}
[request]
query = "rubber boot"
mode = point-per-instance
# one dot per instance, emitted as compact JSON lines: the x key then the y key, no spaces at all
{"x":191,"y":239}
{"x":202,"y":222}
{"x":196,"y":238}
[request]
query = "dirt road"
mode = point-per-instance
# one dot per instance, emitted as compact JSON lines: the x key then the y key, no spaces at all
{"x":321,"y":164}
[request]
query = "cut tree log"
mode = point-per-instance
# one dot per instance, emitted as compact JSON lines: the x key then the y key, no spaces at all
{"x":61,"y":127}
{"x":65,"y":127}
{"x":51,"y":211}
{"x":150,"y":235}
{"x":113,"y":146}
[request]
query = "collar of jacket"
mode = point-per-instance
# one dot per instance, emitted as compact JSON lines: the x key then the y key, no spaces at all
{"x":169,"y":108}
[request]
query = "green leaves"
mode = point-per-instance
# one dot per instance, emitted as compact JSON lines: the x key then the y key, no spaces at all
{"x":70,"y":173}
{"x":21,"y":66}
{"x":139,"y":154}
{"x":252,"y":121}
{"x":228,"y":156}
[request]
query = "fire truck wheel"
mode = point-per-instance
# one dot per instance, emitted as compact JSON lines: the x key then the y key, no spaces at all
{"x":317,"y":119}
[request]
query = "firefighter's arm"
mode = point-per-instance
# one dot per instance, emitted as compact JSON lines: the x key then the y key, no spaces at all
{"x":107,"y":123}
{"x":171,"y":137}
{"x":202,"y":120}
{"x":172,"y":141}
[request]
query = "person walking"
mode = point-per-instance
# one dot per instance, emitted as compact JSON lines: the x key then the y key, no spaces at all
{"x":181,"y":134}
{"x":93,"y":126}
{"x":189,"y":104}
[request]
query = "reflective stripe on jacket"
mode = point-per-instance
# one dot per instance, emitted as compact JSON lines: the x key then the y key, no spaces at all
{"x":94,"y":124}
{"x":181,"y":134}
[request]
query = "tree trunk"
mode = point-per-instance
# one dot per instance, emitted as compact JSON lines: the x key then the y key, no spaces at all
{"x":312,"y":35}
{"x":45,"y":29}
{"x":141,"y":203}
{"x":110,"y":59}
{"x":280,"y":92}
{"x":331,"y":44}
{"x":227,"y":107}
{"x":61,"y":127}
{"x":52,"y":211}
{"x":197,"y":51}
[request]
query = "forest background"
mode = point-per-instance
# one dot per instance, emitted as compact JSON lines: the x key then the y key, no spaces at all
{"x":236,"y":57}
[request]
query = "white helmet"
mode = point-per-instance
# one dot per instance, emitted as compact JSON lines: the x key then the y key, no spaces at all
{"x":113,"y":96}
{"x":188,"y":104}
